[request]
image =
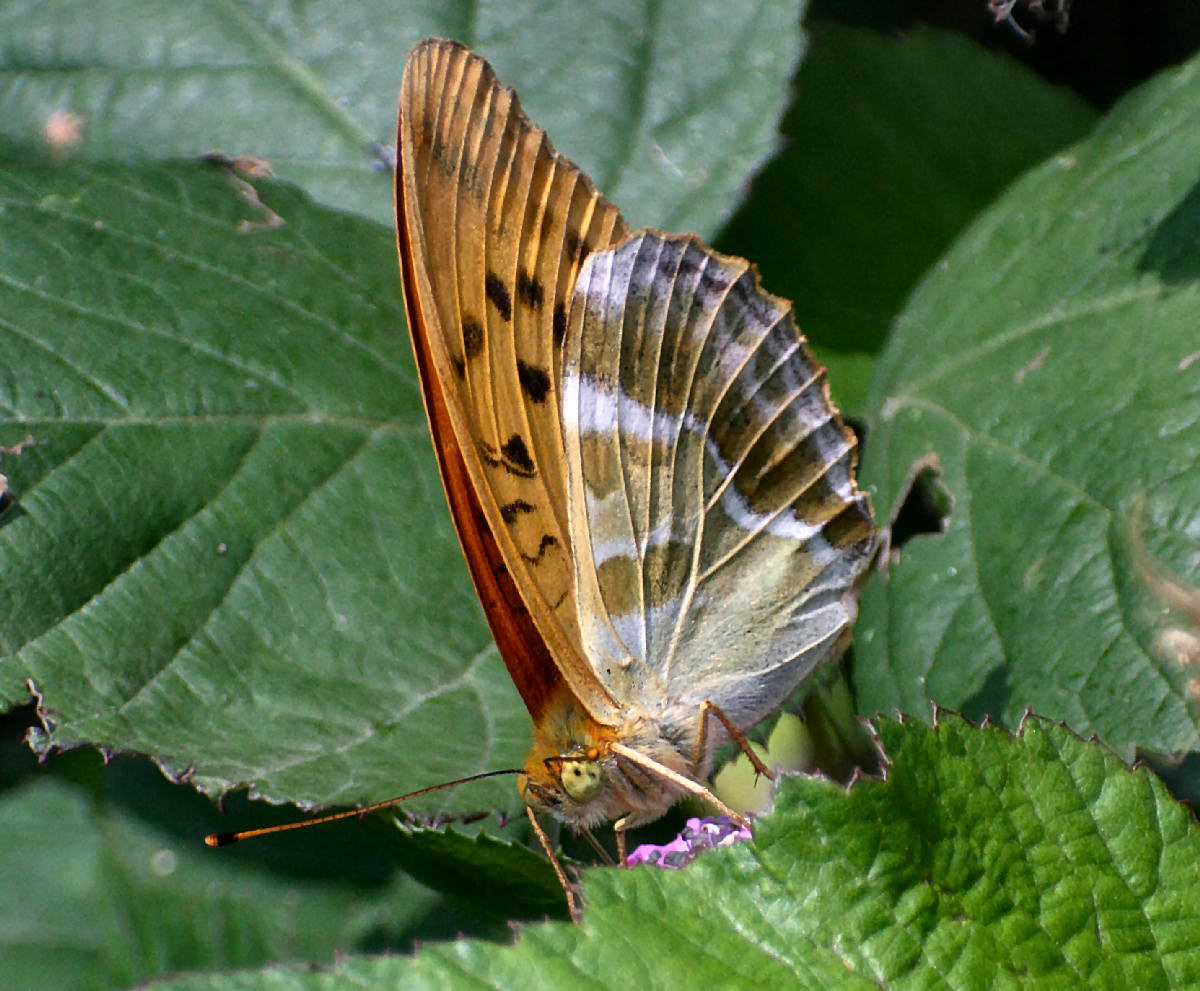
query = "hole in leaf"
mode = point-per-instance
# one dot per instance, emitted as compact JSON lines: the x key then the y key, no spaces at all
{"x":924,"y":508}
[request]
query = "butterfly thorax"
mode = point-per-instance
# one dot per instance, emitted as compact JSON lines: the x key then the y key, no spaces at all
{"x":573,"y":773}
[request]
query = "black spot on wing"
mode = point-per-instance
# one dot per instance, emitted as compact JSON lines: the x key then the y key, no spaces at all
{"x":516,"y":456}
{"x":472,"y":331}
{"x":448,"y":161}
{"x":535,"y":383}
{"x":510,"y":511}
{"x":560,"y":323}
{"x":470,"y":181}
{"x":575,"y":244}
{"x":513,"y":457}
{"x":460,"y":365}
{"x":548,"y":541}
{"x":447,"y":164}
{"x":529,"y":290}
{"x":497,"y":292}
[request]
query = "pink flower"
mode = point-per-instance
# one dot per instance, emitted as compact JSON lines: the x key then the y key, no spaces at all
{"x":697,"y":835}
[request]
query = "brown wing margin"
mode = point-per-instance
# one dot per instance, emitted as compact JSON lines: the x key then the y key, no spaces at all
{"x":525,"y":654}
{"x":523,"y":649}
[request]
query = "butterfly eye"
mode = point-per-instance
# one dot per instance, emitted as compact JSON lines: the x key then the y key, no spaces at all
{"x":538,"y":796}
{"x":582,"y":780}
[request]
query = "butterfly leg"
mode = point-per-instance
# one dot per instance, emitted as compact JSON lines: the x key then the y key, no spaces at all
{"x":568,"y":888}
{"x":619,"y":831}
{"x":594,"y":843}
{"x":708,"y":707}
{"x":681,"y":781}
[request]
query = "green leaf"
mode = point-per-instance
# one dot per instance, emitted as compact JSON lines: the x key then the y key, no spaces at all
{"x":94,"y":899}
{"x":894,"y":145}
{"x":1048,"y":363}
{"x":982,"y":861}
{"x":850,"y":378}
{"x":667,"y":113}
{"x":503,"y":880}
{"x":231,"y":549}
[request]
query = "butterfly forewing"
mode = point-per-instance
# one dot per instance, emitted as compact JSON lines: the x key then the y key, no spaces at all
{"x":717,"y":524}
{"x":493,"y":226}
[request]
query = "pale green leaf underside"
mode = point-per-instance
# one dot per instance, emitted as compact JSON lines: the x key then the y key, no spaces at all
{"x":669,"y":125}
{"x":230,"y":549}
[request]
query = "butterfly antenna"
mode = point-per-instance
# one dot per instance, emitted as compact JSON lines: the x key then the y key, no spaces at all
{"x":225,"y":839}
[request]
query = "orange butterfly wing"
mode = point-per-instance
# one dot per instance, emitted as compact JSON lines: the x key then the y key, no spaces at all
{"x":493,"y":225}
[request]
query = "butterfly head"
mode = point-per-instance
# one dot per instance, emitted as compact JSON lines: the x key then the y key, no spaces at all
{"x":570,"y":771}
{"x":571,"y":786}
{"x":577,"y":773}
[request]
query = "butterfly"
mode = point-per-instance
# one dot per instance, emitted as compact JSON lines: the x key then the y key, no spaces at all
{"x":655,"y":494}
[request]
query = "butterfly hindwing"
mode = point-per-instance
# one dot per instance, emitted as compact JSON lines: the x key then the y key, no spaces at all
{"x":717,"y":524}
{"x":493,"y":225}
